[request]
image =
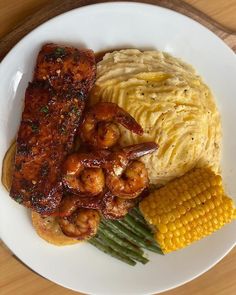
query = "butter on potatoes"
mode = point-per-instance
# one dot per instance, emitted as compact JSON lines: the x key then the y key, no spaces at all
{"x":172,"y":104}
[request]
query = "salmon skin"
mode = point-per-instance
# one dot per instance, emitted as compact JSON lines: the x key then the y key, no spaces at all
{"x":54,"y":102}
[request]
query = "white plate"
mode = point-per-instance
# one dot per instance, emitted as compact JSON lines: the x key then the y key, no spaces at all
{"x":82,"y":267}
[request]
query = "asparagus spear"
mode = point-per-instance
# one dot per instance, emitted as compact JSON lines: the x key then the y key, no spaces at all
{"x":104,"y":248}
{"x":122,"y":250}
{"x":121,"y":241}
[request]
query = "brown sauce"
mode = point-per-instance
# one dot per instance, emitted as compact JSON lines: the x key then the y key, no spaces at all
{"x":7,"y":166}
{"x":8,"y":161}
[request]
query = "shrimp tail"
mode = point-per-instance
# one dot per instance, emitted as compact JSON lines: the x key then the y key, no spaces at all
{"x":126,"y":120}
{"x":109,"y":109}
{"x":133,"y":152}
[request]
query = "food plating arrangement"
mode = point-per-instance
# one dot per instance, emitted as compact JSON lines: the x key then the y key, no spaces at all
{"x":121,"y":152}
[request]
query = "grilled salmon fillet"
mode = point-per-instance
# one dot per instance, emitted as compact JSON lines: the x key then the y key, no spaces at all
{"x":54,"y":102}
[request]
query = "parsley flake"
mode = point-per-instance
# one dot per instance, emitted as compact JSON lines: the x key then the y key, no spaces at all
{"x":34,"y":127}
{"x":59,"y":52}
{"x":44,"y":109}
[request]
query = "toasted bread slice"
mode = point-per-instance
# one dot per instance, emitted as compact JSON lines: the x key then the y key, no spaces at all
{"x":48,"y":229}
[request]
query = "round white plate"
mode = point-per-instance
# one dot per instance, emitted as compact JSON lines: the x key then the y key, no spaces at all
{"x":115,"y":25}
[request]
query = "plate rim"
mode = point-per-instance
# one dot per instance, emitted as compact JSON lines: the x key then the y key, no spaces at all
{"x":114,"y":3}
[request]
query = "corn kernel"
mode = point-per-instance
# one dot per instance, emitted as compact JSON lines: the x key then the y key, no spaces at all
{"x":182,"y":210}
{"x":188,"y":227}
{"x":176,"y":213}
{"x":211,"y":204}
{"x":176,"y":233}
{"x":202,"y":198}
{"x":156,"y":220}
{"x":160,"y":236}
{"x":168,"y":243}
{"x":182,"y":231}
{"x":163,"y":228}
{"x":169,"y":234}
{"x":192,"y":203}
{"x":187,"y":205}
{"x":178,"y":223}
{"x":188,"y":209}
{"x":208,"y":195}
{"x":189,"y":217}
{"x":176,"y":241}
{"x":164,"y":219}
{"x":184,"y":220}
{"x":171,"y":226}
{"x":197,"y":200}
{"x":188,"y":236}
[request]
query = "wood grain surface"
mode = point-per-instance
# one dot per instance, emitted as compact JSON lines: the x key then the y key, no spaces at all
{"x":56,"y":7}
{"x":17,"y":18}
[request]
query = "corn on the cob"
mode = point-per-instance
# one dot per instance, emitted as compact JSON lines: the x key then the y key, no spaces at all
{"x":187,"y":209}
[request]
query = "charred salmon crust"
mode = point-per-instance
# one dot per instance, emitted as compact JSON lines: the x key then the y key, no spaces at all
{"x":54,"y":102}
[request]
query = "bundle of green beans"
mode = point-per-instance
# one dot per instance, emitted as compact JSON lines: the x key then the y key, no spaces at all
{"x":125,"y":239}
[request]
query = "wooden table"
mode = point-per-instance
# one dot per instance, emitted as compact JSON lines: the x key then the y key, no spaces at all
{"x":16,"y":278}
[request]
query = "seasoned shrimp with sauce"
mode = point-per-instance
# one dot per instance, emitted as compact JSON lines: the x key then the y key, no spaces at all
{"x":126,"y":177}
{"x":82,"y":173}
{"x":99,"y":128}
{"x":115,"y":207}
{"x":72,"y":202}
{"x":82,"y":224}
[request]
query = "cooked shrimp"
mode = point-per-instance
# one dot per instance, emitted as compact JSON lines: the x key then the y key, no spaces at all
{"x":130,"y":183}
{"x":82,"y":173}
{"x":72,"y":202}
{"x":126,"y":178}
{"x":82,"y":224}
{"x":68,"y":205}
{"x":99,"y":128}
{"x":116,"y":208}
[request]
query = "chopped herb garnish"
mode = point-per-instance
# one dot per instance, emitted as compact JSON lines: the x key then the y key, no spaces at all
{"x":44,"y":109}
{"x":34,"y":127}
{"x":75,"y":110}
{"x":19,"y":199}
{"x":62,"y":130}
{"x":81,"y":95}
{"x":59,"y":52}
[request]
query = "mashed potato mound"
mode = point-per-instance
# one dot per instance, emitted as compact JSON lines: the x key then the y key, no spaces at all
{"x":172,"y":104}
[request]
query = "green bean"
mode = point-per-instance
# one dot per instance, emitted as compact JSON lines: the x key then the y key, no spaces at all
{"x":130,"y":236}
{"x":104,"y":248}
{"x":122,"y":250}
{"x":136,"y":209}
{"x":138,"y":217}
{"x":128,"y":227}
{"x":153,"y":248}
{"x":121,"y":233}
{"x":139,"y":228}
{"x":121,"y":241}
{"x":136,"y":212}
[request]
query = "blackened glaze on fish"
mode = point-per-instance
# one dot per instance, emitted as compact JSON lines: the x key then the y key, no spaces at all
{"x":54,"y":102}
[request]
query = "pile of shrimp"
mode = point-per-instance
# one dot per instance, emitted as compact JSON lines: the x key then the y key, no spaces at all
{"x":101,"y":178}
